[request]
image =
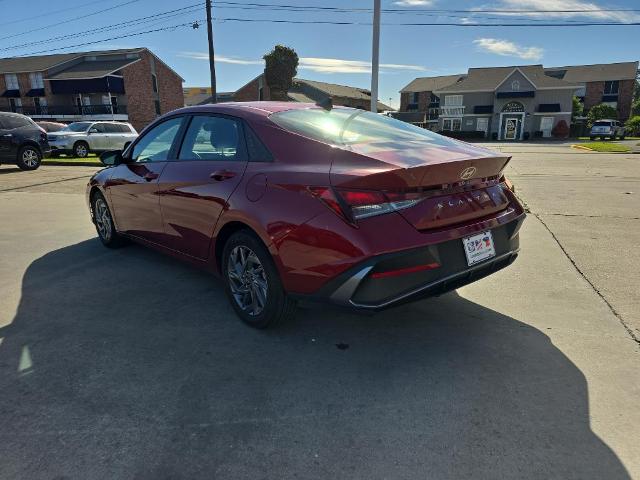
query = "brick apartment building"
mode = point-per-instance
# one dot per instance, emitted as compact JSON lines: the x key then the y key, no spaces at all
{"x":309,"y":91}
{"x":131,"y":85}
{"x":531,"y":98}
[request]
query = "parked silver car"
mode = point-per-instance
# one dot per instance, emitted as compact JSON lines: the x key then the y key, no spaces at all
{"x":81,"y":138}
{"x":605,"y":128}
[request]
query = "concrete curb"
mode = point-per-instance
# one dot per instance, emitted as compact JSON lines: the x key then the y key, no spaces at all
{"x":582,"y":147}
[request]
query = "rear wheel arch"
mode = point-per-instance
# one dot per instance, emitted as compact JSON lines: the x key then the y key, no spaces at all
{"x":227,"y":231}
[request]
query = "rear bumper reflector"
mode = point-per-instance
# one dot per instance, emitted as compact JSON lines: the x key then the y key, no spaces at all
{"x":404,"y":271}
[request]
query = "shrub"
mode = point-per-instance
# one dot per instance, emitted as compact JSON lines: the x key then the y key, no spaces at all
{"x":633,"y":126}
{"x":601,"y":111}
{"x":560,"y":130}
{"x":576,"y":108}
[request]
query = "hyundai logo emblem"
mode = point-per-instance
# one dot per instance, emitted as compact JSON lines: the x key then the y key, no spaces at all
{"x":467,"y":173}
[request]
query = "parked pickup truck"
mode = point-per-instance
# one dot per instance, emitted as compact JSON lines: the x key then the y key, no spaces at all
{"x":81,"y":138}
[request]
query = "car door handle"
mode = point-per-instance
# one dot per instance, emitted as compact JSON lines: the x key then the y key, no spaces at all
{"x":150,"y":176}
{"x":220,"y":175}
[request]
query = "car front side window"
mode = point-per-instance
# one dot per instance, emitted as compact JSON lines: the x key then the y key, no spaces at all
{"x":155,"y":145}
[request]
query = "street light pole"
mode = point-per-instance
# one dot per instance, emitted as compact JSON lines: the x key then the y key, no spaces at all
{"x":375,"y":56}
{"x":212,"y":64}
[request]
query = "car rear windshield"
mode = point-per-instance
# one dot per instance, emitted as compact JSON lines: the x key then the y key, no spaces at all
{"x":602,"y":124}
{"x":77,"y":127}
{"x":348,"y":126}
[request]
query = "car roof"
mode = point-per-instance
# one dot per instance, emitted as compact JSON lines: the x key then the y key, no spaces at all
{"x":248,"y":109}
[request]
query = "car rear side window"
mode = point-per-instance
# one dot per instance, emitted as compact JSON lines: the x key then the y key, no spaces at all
{"x":212,"y":138}
{"x":347,"y":126}
{"x":256,"y":149}
{"x":111,"y":128}
{"x":155,"y":145}
{"x":11,"y":122}
{"x":601,"y":124}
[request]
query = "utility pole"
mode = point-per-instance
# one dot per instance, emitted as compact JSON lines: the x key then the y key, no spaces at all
{"x":212,"y":63}
{"x":375,"y":56}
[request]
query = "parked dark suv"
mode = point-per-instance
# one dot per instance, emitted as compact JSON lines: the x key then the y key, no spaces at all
{"x":22,"y":142}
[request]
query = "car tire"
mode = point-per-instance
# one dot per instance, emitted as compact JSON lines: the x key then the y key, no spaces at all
{"x":103,"y":221}
{"x":252,"y":282}
{"x":603,"y":138}
{"x":81,"y":149}
{"x":623,"y":136}
{"x":613,"y":137}
{"x":29,"y":158}
{"x":592,"y":138}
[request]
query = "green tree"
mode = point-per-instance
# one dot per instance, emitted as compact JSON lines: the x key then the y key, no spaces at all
{"x":601,"y":111}
{"x":633,"y":126}
{"x":281,"y":65}
{"x":577,"y":107}
{"x":635,"y":107}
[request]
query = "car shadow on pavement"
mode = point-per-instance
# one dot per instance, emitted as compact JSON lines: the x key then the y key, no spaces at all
{"x":128,"y":364}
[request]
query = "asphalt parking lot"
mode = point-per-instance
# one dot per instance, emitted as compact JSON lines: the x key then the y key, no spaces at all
{"x":127,"y":364}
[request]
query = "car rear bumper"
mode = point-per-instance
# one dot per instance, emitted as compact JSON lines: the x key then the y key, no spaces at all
{"x":360,"y":288}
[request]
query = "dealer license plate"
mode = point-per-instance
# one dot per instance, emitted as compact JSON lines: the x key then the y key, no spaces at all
{"x":479,"y":247}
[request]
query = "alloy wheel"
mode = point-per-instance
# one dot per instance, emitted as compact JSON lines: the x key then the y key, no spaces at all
{"x":103,"y":219}
{"x":30,"y":157}
{"x":247,"y":280}
{"x":81,"y":151}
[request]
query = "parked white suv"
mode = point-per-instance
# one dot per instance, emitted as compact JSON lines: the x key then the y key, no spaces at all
{"x":607,"y":128}
{"x":81,"y":138}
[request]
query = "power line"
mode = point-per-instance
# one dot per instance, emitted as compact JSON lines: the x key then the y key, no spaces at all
{"x":431,"y":24}
{"x":70,"y":20}
{"x":416,"y":10}
{"x":166,"y":15}
{"x":119,"y":37}
{"x":50,"y":13}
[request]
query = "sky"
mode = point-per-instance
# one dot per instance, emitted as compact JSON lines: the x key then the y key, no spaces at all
{"x":331,"y":53}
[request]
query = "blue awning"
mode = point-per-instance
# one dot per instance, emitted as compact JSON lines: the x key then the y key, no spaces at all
{"x":548,"y":107}
{"x":11,"y":94}
{"x":478,"y":109}
{"x":529,"y":94}
{"x":36,"y":92}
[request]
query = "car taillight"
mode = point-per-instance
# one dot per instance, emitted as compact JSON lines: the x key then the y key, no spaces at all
{"x":358,"y":204}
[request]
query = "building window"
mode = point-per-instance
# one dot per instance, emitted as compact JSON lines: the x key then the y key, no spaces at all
{"x":434,"y":101}
{"x":611,"y":87}
{"x":157,"y":105}
{"x":154,"y":81}
{"x":513,"y":107}
{"x":452,"y":124}
{"x":260,"y":93}
{"x":11,"y":79}
{"x":16,"y":105}
{"x":453,"y":100}
{"x":515,"y":86}
{"x":40,"y":105}
{"x":415,"y":97}
{"x":36,"y":80}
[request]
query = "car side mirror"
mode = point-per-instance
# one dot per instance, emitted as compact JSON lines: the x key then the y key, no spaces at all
{"x":111,"y":158}
{"x":93,"y":130}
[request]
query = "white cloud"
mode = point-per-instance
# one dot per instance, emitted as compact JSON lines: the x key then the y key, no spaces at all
{"x":316,"y":64}
{"x":336,"y":65}
{"x":220,"y":58}
{"x":580,"y":9}
{"x":413,"y":3}
{"x":508,"y":49}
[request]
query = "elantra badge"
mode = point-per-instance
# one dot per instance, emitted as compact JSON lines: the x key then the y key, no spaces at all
{"x":467,"y":173}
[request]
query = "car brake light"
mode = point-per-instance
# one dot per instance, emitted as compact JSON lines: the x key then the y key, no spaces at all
{"x":357,"y":204}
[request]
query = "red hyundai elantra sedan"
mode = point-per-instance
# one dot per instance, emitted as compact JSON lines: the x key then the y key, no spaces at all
{"x":287,"y":201}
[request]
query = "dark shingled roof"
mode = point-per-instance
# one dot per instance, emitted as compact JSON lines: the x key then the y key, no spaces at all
{"x":91,"y":69}
{"x":44,"y":62}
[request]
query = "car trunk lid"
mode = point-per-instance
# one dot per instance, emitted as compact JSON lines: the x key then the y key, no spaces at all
{"x":456,"y":182}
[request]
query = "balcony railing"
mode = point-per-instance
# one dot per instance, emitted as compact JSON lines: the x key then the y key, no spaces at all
{"x":452,"y":111}
{"x":71,"y":110}
{"x":433,"y":113}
